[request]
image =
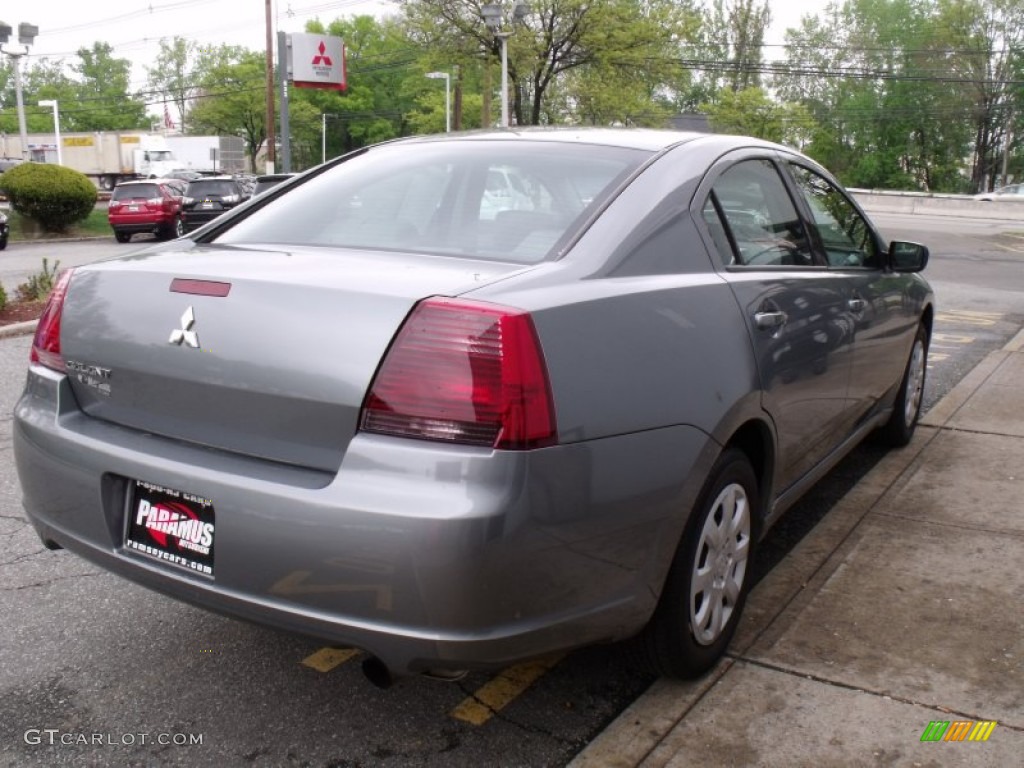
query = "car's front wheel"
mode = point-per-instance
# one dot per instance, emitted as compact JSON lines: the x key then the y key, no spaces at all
{"x":907,"y":409}
{"x":707,"y":584}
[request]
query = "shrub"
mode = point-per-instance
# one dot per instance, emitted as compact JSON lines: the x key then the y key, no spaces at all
{"x":40,"y":284}
{"x":3,"y":297}
{"x":54,"y":196}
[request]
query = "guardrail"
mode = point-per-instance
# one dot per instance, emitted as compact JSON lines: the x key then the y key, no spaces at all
{"x":884,"y":201}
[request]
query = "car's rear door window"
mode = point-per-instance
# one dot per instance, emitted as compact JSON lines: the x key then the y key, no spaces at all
{"x":752,"y":219}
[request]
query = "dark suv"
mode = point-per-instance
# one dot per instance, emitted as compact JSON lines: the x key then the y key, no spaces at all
{"x":153,"y":205}
{"x":208,"y":197}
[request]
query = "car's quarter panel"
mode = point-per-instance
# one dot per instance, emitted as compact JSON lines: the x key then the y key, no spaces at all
{"x":329,"y":316}
{"x":632,"y":354}
{"x":420,"y":552}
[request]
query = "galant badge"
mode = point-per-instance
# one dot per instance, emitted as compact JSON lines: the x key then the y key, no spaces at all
{"x":185,"y":333}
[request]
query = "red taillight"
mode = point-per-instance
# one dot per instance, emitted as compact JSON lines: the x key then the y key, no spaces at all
{"x":46,"y":344}
{"x":464,"y":372}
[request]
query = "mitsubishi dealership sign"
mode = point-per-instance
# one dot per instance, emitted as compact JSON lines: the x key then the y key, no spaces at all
{"x":317,"y":61}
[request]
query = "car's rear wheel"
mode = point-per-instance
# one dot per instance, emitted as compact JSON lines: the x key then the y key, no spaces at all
{"x":907,"y":409}
{"x":122,"y":237}
{"x":707,"y":584}
{"x":179,"y":228}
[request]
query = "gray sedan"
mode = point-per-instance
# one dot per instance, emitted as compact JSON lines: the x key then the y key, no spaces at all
{"x":460,"y":401}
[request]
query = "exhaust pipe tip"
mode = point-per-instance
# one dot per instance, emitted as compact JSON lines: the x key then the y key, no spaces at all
{"x":376,"y":672}
{"x":445,"y":675}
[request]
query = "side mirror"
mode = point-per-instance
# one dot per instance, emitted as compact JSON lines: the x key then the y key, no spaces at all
{"x":907,"y":257}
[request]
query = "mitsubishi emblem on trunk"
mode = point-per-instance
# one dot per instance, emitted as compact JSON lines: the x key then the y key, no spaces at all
{"x":185,"y":333}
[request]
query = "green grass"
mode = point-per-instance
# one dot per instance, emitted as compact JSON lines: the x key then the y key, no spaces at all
{"x":95,"y":225}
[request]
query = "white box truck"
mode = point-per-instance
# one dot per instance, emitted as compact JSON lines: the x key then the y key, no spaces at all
{"x":106,"y":157}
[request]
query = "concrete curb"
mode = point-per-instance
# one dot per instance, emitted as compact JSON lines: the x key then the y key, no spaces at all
{"x":18,"y":329}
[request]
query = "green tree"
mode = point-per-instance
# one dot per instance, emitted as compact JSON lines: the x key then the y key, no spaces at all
{"x":751,"y":112}
{"x":906,"y":91}
{"x":103,"y":102}
{"x":554,"y":38}
{"x":177,"y":75}
{"x":230,"y":100}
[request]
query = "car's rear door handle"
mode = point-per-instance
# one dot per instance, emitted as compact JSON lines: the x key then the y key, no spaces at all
{"x":768,"y":321}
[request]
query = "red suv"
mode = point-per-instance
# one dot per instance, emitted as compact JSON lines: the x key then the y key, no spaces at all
{"x":153,"y":205}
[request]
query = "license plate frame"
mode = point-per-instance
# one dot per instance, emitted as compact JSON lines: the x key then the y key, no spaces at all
{"x":170,"y":526}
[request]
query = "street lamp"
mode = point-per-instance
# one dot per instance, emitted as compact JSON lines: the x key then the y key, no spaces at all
{"x":26,"y":34}
{"x":323,"y":136}
{"x":492,"y":18}
{"x":447,"y":97}
{"x":56,"y":125}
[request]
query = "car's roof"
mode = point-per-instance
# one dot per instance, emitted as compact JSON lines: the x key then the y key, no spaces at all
{"x":627,"y":138}
{"x":136,"y":182}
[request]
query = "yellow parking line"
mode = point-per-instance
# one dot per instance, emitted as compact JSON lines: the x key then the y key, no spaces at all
{"x":964,"y":317}
{"x":1009,"y":248}
{"x":950,"y":338}
{"x":327,"y":659}
{"x":494,"y":696}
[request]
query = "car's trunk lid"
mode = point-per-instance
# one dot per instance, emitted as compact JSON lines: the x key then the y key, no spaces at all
{"x":267,"y":353}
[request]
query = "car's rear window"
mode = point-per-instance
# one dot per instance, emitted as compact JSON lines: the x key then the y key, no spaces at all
{"x":136,"y":192}
{"x":502,"y":200}
{"x":220,"y":188}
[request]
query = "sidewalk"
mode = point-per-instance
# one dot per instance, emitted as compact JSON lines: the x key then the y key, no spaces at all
{"x":904,"y":605}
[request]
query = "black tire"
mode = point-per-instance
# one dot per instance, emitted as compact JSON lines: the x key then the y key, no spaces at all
{"x":122,"y":237}
{"x":3,"y":243}
{"x":906,"y":411}
{"x":179,"y":228}
{"x":684,"y":638}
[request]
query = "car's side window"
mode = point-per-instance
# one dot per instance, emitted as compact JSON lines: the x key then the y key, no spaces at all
{"x":845,"y":234}
{"x":752,"y":219}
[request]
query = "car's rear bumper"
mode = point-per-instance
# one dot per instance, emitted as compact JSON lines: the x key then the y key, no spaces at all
{"x":425,"y":555}
{"x":195,"y":219}
{"x":133,"y":226}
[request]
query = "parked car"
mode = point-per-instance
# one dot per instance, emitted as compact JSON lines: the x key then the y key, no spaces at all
{"x":1009,"y":192}
{"x":150,"y":206}
{"x":5,"y":230}
{"x":268,"y":180}
{"x":378,"y":410}
{"x":6,"y":163}
{"x":208,"y":197}
{"x":185,"y":174}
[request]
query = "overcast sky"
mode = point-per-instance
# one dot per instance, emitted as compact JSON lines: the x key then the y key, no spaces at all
{"x":134,"y":27}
